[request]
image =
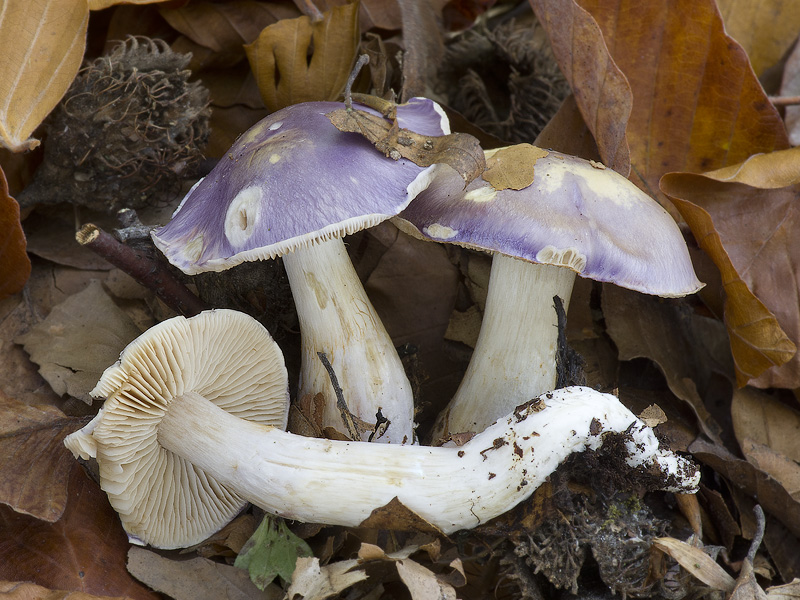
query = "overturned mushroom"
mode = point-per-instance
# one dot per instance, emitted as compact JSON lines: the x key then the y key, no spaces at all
{"x":152,"y":405}
{"x":292,"y":186}
{"x":224,"y":356}
{"x":574,"y":217}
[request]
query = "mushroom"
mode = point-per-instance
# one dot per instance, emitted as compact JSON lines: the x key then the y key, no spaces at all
{"x":575,"y":217}
{"x":292,"y":186}
{"x":169,"y":429}
{"x":223,"y":356}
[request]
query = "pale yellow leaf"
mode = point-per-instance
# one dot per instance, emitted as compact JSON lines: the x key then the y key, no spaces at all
{"x":697,"y":562}
{"x":101,"y":4}
{"x":42,"y":44}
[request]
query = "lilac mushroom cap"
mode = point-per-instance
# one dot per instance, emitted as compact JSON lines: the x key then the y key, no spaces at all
{"x":576,"y":217}
{"x":292,"y":179}
{"x":292,"y":186}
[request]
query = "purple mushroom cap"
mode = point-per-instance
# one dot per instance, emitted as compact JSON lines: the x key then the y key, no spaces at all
{"x":576,"y":214}
{"x":289,"y":180}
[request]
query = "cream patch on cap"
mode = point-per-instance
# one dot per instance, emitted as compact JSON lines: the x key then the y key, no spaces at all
{"x":482,"y":194}
{"x":441,"y":232}
{"x":243,"y":216}
{"x":605,"y":184}
{"x":565,"y":257}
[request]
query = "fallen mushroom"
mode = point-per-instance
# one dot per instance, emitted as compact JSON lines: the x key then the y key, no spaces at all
{"x":292,"y":186}
{"x":151,"y":404}
{"x":223,"y":355}
{"x":574,"y":217}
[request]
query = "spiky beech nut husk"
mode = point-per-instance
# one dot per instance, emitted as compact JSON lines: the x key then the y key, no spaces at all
{"x":126,"y":133}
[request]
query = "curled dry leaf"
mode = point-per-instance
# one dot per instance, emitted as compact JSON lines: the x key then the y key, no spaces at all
{"x":460,"y":151}
{"x":601,"y":91}
{"x":749,"y":234}
{"x":78,"y":340}
{"x":422,"y":582}
{"x":15,"y":266}
{"x":35,"y":465}
{"x":765,"y":420}
{"x":699,"y":106}
{"x":42,"y":44}
{"x":101,"y":4}
{"x":311,"y":581}
{"x":280,"y":57}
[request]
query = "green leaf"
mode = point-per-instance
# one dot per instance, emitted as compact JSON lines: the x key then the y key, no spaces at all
{"x":272,"y":550}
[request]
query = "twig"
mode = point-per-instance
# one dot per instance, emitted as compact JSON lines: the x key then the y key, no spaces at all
{"x":353,"y":430}
{"x":309,"y":9}
{"x":348,"y":89}
{"x":784,"y":100}
{"x":145,"y":269}
{"x":759,"y":534}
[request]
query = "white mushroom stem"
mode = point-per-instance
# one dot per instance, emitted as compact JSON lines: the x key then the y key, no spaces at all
{"x":337,"y":318}
{"x":515,"y":355}
{"x":341,"y":483}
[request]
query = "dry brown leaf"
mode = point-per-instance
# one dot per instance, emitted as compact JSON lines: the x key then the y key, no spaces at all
{"x":764,"y":171}
{"x":788,"y":591}
{"x":781,"y":469}
{"x":752,"y":481}
{"x":397,"y":516}
{"x":42,"y":43}
{"x":15,"y":266}
{"x":601,"y":90}
{"x":280,"y":57}
{"x":311,"y":581}
{"x":102,"y":4}
{"x":85,"y":550}
{"x":423,"y":583}
{"x":383,"y":14}
{"x":35,"y":465}
{"x":749,"y":234}
{"x":196,"y":578}
{"x":78,"y":340}
{"x":698,"y":104}
{"x":225,"y":27}
{"x":763,"y":419}
{"x":512,"y":167}
{"x":10,"y":590}
{"x":697,"y":562}
{"x":765,"y":29}
{"x":654,"y":328}
{"x":422,"y":41}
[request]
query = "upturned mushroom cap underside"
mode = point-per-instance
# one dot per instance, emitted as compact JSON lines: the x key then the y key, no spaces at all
{"x":290,"y":180}
{"x":222,"y":355}
{"x":576,"y":214}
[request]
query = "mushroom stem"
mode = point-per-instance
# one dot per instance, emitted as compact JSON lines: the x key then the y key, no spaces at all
{"x":337,"y":318}
{"x":341,"y":483}
{"x":515,"y":355}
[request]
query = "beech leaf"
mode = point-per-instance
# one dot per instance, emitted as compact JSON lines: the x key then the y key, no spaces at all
{"x":36,"y":465}
{"x":699,"y":106}
{"x":15,"y":266}
{"x":272,"y":551}
{"x":749,"y":234}
{"x":280,"y":59}
{"x":42,"y":44}
{"x":460,"y":151}
{"x":512,"y":167}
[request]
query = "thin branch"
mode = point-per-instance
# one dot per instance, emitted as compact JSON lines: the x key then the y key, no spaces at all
{"x":145,"y":269}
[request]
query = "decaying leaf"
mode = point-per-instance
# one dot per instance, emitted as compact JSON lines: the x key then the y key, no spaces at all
{"x":601,"y":90}
{"x":272,"y":551}
{"x":42,"y":45}
{"x":765,"y":420}
{"x":311,"y":581}
{"x":84,"y":551}
{"x":422,"y":582}
{"x":280,"y":57}
{"x":776,"y":465}
{"x":749,"y":234}
{"x":78,"y":340}
{"x":699,"y":106}
{"x":395,"y":515}
{"x":15,"y":266}
{"x":460,"y":151}
{"x":35,"y":465}
{"x":512,"y":168}
{"x":653,"y":416}
{"x":788,"y":591}
{"x":697,"y":562}
{"x":196,"y":578}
